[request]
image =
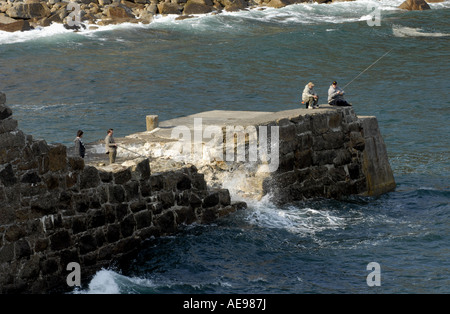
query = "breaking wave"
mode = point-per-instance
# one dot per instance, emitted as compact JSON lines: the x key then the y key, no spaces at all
{"x":402,"y":31}
{"x":297,"y":14}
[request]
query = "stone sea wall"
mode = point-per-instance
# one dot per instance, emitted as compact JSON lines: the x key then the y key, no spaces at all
{"x":330,"y":154}
{"x":55,"y":210}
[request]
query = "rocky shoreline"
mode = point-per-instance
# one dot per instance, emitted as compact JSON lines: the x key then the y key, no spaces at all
{"x":25,"y":15}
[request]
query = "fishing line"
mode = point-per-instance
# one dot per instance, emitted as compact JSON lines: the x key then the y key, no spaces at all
{"x":367,"y":68}
{"x":132,"y":151}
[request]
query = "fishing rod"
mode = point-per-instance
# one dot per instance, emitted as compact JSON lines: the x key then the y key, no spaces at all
{"x":367,"y":68}
{"x":132,"y":151}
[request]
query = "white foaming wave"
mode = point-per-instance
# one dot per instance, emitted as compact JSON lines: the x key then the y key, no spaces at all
{"x":35,"y":34}
{"x":57,"y":29}
{"x":403,"y":31}
{"x":294,"y":219}
{"x":104,"y":282}
{"x":107,"y":281}
{"x":302,"y":13}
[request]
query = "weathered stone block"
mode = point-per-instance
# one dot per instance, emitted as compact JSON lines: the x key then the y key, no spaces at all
{"x":138,"y":206}
{"x":166,"y":222}
{"x":357,"y":141}
{"x":105,"y":176}
{"x":132,"y":190}
{"x":69,"y":256}
{"x":113,"y":233}
{"x":87,"y":244}
{"x":30,"y":270}
{"x":22,"y":249}
{"x":7,"y":125}
{"x":185,"y":215}
{"x":121,"y":210}
{"x":142,"y":170}
{"x":57,"y":156}
{"x":198,"y":181}
{"x":167,"y":199}
{"x":211,"y":200}
{"x":195,"y":200}
{"x":5,"y":112}
{"x":319,"y":123}
{"x":7,"y":253}
{"x":343,"y":157}
{"x":30,"y":178}
{"x":7,"y":176}
{"x":122,"y":176}
{"x":96,"y":218}
{"x":89,"y":178}
{"x":76,"y":163}
{"x":81,"y":203}
{"x":143,"y":219}
{"x":184,"y":183}
{"x":14,"y":233}
{"x":116,"y":194}
{"x":12,"y":139}
{"x":157,"y":182}
{"x":303,"y":158}
{"x":182,"y":199}
{"x":49,"y":266}
{"x":40,"y":147}
{"x":60,"y":240}
{"x":335,"y":121}
{"x":145,"y":188}
{"x":41,"y":244}
{"x":333,"y":140}
{"x":324,"y":157}
{"x":127,"y":225}
{"x":209,"y":215}
{"x":45,"y":205}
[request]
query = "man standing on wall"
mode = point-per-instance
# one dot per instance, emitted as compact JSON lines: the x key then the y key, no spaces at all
{"x":111,"y":146}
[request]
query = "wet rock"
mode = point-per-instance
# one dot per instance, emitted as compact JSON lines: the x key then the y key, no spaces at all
{"x":415,"y":5}
{"x":198,"y":7}
{"x":169,"y":8}
{"x":28,"y":10}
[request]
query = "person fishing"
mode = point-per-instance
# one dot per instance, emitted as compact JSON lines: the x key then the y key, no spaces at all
{"x":336,"y":96}
{"x":111,"y":146}
{"x":309,"y":96}
{"x":80,"y":149}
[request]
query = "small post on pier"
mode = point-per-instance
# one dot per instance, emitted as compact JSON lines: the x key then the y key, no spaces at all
{"x":152,"y":122}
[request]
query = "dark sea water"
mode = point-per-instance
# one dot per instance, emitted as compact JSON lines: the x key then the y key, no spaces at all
{"x":57,"y":82}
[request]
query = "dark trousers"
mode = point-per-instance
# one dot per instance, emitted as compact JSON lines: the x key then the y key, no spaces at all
{"x":339,"y":102}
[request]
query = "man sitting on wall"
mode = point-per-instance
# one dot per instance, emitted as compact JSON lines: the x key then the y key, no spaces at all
{"x":336,"y":96}
{"x":309,"y":96}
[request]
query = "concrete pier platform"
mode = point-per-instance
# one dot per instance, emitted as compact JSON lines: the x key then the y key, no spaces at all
{"x":338,"y":152}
